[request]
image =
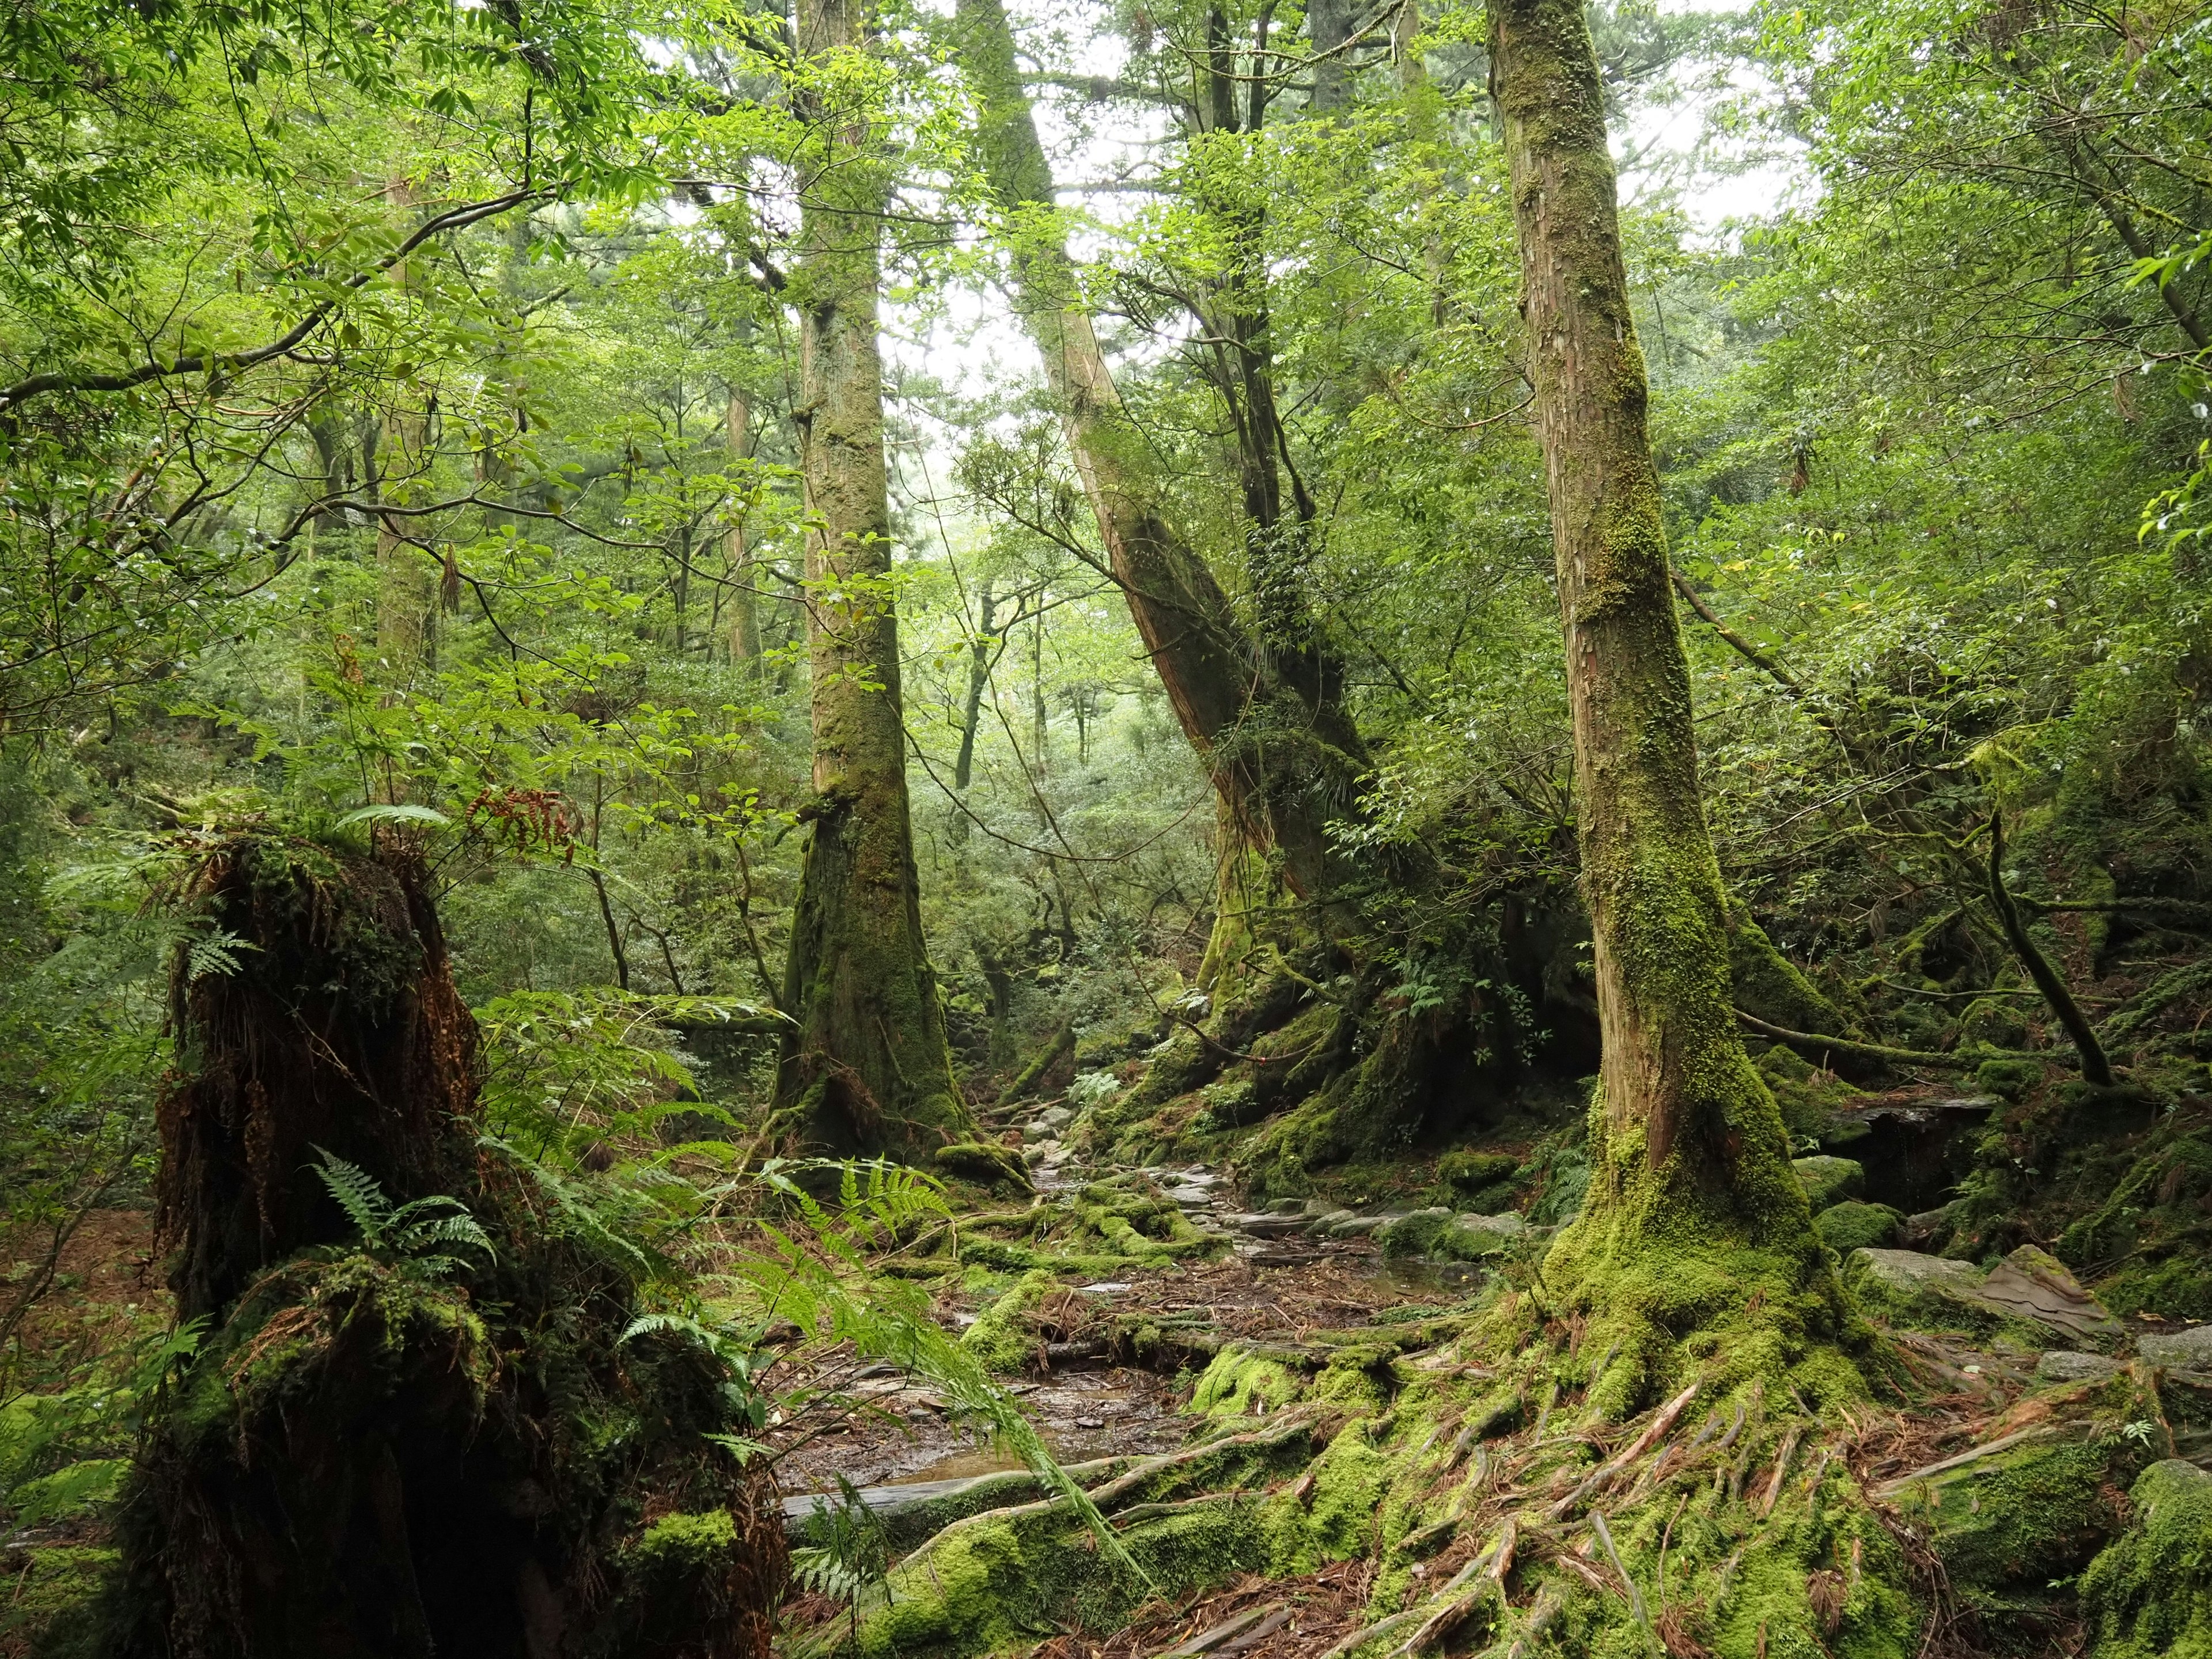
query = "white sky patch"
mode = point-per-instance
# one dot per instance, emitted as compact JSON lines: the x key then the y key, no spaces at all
{"x":969,"y":341}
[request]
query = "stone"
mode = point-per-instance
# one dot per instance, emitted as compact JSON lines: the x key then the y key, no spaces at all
{"x":2028,"y":1288}
{"x":2181,"y":1351}
{"x":1189,"y":1197}
{"x":1828,"y":1181}
{"x":2033,"y":1284}
{"x":2070,"y":1366}
{"x":1852,"y":1225}
{"x":1286,"y":1207}
{"x":1928,"y":1230}
{"x":1329,"y":1223}
{"x":1359,"y":1226}
{"x":1270,"y":1226}
{"x":1508,"y":1222}
{"x":1912,"y":1272}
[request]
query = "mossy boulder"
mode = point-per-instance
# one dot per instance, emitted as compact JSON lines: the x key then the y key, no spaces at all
{"x":1461,"y":1176}
{"x":2148,"y":1595}
{"x":1853,"y":1226}
{"x":2028,"y":1299}
{"x":1438,"y":1235}
{"x":2044,"y":1492}
{"x":1829,"y":1181}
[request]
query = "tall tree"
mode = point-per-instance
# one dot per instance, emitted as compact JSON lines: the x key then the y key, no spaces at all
{"x":1273,"y":752}
{"x":866,"y":1066}
{"x":1694,"y":1221}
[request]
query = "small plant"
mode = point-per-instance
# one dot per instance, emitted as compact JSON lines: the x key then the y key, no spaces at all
{"x":419,"y":1236}
{"x":853,"y":1558}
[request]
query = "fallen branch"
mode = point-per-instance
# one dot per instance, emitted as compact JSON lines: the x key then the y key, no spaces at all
{"x":1812,"y":1044}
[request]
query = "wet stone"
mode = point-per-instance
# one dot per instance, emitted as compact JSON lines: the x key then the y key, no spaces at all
{"x":2067,"y":1365}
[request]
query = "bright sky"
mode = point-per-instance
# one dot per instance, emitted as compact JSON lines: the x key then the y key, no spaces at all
{"x":971,"y":345}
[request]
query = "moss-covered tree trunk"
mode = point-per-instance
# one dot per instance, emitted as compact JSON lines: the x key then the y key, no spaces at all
{"x":1695,"y":1226}
{"x":866,"y":1065}
{"x":1272,"y":750}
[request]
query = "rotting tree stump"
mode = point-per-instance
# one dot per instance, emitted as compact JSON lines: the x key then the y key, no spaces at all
{"x":372,"y":1454}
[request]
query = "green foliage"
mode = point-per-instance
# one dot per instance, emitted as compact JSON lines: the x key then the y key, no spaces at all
{"x":416,"y":1235}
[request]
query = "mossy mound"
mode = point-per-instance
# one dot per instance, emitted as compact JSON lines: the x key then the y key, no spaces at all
{"x":2044,"y":1492}
{"x":2149,"y":1595}
{"x":1853,"y":1226}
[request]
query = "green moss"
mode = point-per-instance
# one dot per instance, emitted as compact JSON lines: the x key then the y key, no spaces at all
{"x":2008,"y":1079}
{"x":1236,"y":1382}
{"x":1851,"y":1226}
{"x":54,"y":1597}
{"x":1002,"y":1338}
{"x":2040,"y":1508}
{"x":1829,"y":1181}
{"x":2148,"y":1595}
{"x":681,"y":1544}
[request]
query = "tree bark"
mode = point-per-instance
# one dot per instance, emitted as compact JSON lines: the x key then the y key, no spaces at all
{"x":745,"y":609}
{"x":866,"y":1067}
{"x":1694,"y":1218}
{"x":1259,"y":740}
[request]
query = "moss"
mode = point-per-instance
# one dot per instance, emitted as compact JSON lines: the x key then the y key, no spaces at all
{"x":1238,"y":1383}
{"x":1851,"y":1226}
{"x":2041,"y":1508}
{"x":2008,"y":1079}
{"x":2148,"y":1595}
{"x":677,"y":1545}
{"x":1828,"y":1181}
{"x":1002,"y":1339}
{"x":983,"y":1160}
{"x":54,"y":1597}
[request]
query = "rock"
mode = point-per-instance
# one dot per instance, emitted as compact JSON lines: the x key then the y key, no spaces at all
{"x":1286,"y":1207}
{"x":1359,"y":1226}
{"x":1328,"y":1223}
{"x":1931,"y":1229}
{"x":2029,"y":1287}
{"x":1853,"y":1226}
{"x":1189,"y":1197}
{"x":2034,"y":1285}
{"x":1270,"y":1226}
{"x":2071,"y":1366}
{"x":1829,"y":1181}
{"x":1910,"y":1272}
{"x":1110,"y":1287}
{"x":2183,"y":1351}
{"x":2151,"y":1591}
{"x":1508,"y":1222}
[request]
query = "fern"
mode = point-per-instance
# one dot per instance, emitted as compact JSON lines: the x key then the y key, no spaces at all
{"x":418,"y":1235}
{"x":358,"y":1194}
{"x":853,"y":1555}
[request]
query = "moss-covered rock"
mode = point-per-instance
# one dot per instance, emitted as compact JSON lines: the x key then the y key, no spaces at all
{"x":1853,"y":1226}
{"x":1829,"y":1181}
{"x":2148,"y":1595}
{"x":2046,"y":1493}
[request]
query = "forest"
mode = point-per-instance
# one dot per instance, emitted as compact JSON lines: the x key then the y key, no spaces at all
{"x":1123,"y":830}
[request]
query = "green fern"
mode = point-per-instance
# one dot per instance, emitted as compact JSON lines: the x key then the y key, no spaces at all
{"x":853,"y":1557}
{"x":419,"y":1235}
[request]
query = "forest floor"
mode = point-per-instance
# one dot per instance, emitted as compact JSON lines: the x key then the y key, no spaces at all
{"x":1967,"y":1398}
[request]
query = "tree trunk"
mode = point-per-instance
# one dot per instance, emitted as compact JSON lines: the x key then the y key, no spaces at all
{"x":1258,"y":738}
{"x":982,"y":650}
{"x":866,"y":1067}
{"x":1694,"y":1219}
{"x":744,"y":609}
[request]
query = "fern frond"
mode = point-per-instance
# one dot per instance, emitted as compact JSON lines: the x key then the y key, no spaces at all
{"x":358,"y":1194}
